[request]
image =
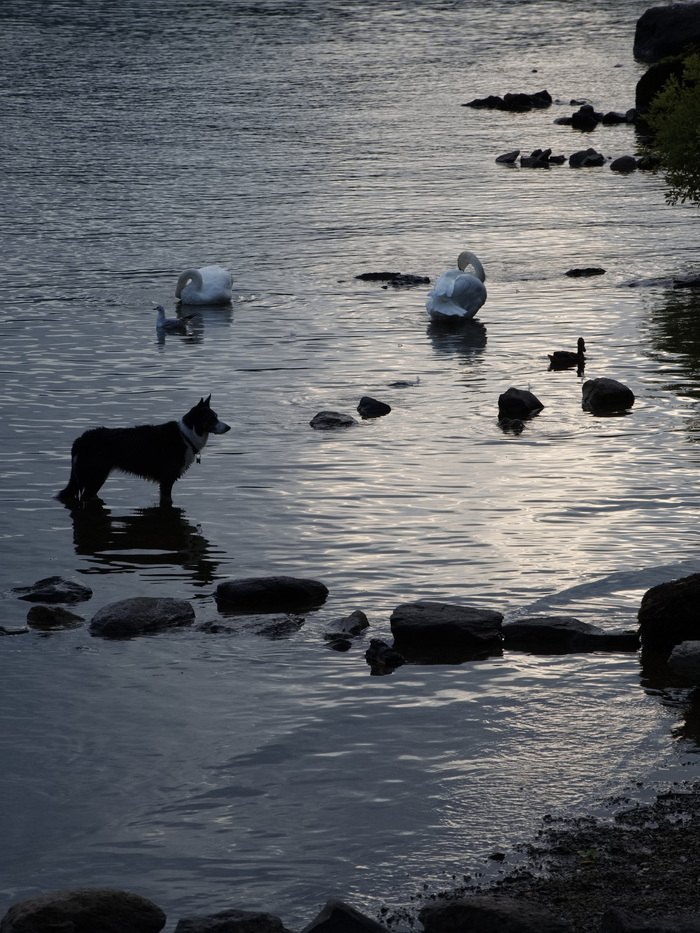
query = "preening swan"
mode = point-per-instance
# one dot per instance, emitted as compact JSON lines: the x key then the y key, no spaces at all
{"x":563,"y":359}
{"x":171,"y":325}
{"x":457,"y":295}
{"x":210,"y":285}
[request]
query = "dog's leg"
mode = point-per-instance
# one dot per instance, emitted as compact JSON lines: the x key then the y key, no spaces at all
{"x":166,"y":491}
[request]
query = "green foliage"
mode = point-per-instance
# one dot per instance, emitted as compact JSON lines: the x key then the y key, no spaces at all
{"x":674,"y":117}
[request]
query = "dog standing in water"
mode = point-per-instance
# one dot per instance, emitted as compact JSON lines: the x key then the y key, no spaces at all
{"x":161,"y":453}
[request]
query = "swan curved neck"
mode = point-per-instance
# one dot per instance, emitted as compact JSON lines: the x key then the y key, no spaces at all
{"x":468,"y":258}
{"x":189,"y":275}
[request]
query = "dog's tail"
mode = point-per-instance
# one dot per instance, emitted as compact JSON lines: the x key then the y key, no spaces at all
{"x":71,"y":492}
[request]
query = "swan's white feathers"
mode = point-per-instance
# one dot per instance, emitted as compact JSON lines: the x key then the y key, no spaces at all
{"x":210,"y":285}
{"x":458,"y":293}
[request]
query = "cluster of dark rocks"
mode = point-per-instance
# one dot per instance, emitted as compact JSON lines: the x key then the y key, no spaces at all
{"x":582,"y":158}
{"x":394,"y":279}
{"x":601,"y":396}
{"x":110,"y":910}
{"x":518,"y":102}
{"x":423,"y":631}
{"x":367,"y":408}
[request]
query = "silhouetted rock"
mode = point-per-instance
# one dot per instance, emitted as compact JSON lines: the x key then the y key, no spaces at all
{"x":84,"y":910}
{"x":508,"y":158}
{"x":513,"y":102}
{"x":382,"y":658}
{"x":395,"y":279}
{"x":586,"y":158}
{"x":518,"y":403}
{"x":329,"y":420}
{"x":431,"y":629}
{"x":624,"y":164}
{"x":669,"y":613}
{"x":140,"y":615}
{"x":564,"y":633}
{"x":53,"y":590}
{"x":338,"y":917}
{"x":605,"y":395}
{"x":347,"y":627}
{"x":585,"y":272}
{"x":684,"y":660}
{"x":372,"y":408}
{"x":52,"y":618}
{"x":270,"y":594}
{"x":662,"y":31}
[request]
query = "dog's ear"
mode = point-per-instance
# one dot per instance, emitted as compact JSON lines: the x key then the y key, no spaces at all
{"x":205,"y":401}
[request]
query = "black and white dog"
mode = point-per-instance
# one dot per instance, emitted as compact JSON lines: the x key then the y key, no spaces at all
{"x":161,"y":453}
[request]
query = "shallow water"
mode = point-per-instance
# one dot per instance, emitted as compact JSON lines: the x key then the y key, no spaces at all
{"x":300,"y":145}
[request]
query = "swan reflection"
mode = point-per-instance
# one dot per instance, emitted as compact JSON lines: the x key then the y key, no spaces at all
{"x":466,"y":338}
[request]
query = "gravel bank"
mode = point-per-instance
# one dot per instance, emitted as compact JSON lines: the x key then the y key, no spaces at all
{"x":646,"y":859}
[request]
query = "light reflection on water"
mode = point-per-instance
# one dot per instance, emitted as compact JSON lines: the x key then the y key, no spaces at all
{"x":231,"y":770}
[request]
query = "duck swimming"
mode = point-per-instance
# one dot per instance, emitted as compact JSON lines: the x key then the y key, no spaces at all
{"x":171,"y":325}
{"x":210,"y":285}
{"x":563,"y":359}
{"x":457,"y":295}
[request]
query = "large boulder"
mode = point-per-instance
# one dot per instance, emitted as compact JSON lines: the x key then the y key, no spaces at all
{"x":269,"y":594}
{"x":489,"y":915}
{"x":431,"y":629}
{"x":606,"y":396}
{"x":670,"y":613}
{"x":84,"y":910}
{"x":654,"y":80}
{"x":140,"y":615}
{"x":666,"y":30}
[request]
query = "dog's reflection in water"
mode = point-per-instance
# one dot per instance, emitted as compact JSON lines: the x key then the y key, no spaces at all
{"x":151,"y":537}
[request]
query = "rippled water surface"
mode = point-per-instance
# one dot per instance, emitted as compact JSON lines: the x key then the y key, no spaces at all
{"x":301,"y":145}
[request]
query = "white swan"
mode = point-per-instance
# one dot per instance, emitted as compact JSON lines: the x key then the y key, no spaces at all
{"x":458,"y":295}
{"x":210,"y":285}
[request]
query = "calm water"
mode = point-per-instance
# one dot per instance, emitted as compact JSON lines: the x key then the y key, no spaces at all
{"x":301,"y":144}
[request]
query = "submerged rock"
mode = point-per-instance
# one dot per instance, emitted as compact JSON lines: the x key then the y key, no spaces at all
{"x":329,"y":420}
{"x":395,"y":279}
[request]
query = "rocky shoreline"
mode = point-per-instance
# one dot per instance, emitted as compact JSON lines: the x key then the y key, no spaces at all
{"x":635,"y":873}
